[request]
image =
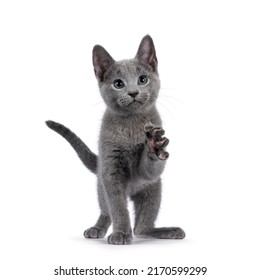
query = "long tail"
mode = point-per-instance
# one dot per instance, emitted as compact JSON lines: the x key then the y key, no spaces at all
{"x":85,"y":154}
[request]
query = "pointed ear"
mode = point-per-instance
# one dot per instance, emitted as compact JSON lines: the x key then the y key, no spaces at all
{"x":146,"y":53}
{"x":101,"y":61}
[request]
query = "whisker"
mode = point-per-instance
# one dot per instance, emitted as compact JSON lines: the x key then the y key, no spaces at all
{"x":98,"y":103}
{"x":171,"y":96}
{"x":168,"y":101}
{"x":170,"y":112}
{"x":172,"y":90}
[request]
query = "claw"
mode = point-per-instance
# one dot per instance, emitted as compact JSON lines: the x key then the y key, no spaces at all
{"x":163,"y":155}
{"x":155,"y":141}
{"x":163,"y":143}
{"x":158,"y":133}
{"x":148,"y":127}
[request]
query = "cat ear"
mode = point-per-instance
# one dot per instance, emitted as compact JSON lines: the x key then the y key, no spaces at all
{"x":146,"y":52}
{"x":101,"y":61}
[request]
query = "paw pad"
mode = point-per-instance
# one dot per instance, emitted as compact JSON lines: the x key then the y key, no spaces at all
{"x":156,"y":142}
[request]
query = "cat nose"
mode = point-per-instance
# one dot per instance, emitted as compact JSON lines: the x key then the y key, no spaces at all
{"x":133,"y":94}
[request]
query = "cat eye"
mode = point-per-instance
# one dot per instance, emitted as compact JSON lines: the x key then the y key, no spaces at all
{"x":118,"y":84}
{"x":142,"y":80}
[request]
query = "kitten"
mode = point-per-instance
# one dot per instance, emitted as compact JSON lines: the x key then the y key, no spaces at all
{"x":132,"y":152}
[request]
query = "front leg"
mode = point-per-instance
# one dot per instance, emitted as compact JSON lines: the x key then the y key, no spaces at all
{"x":113,"y":179}
{"x":154,"y":156}
{"x":122,"y":232}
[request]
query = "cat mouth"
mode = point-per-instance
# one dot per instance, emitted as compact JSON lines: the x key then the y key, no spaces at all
{"x":133,"y":104}
{"x":136,"y":101}
{"x":141,"y":100}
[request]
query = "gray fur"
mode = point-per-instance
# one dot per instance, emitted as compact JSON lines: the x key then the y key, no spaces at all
{"x":88,"y":158}
{"x":132,"y":152}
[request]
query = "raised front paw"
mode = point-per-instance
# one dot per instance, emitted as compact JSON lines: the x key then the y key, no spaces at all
{"x":156,"y":142}
{"x":120,"y":238}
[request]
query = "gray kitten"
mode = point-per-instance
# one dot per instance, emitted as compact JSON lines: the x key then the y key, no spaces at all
{"x":132,"y":152}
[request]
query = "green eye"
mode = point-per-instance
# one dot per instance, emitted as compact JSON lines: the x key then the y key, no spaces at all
{"x":142,"y":80}
{"x":118,"y":84}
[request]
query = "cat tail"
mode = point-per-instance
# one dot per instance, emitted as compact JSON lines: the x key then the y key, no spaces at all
{"x":85,"y":154}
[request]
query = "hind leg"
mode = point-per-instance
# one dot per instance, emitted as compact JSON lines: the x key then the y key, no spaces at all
{"x":99,"y":230}
{"x":147,"y":205}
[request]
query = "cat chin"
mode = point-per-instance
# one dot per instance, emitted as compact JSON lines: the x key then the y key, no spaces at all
{"x":136,"y":108}
{"x":131,"y":109}
{"x":135,"y":105}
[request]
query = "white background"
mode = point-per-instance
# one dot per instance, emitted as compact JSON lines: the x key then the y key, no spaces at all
{"x":209,"y":63}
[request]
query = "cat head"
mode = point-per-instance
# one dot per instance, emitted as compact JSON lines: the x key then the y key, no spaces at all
{"x":128,"y":86}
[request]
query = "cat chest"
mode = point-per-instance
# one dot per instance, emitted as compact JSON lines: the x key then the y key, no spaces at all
{"x":127,"y":136}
